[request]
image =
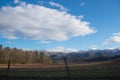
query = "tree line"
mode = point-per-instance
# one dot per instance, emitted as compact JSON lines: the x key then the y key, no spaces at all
{"x":19,"y":56}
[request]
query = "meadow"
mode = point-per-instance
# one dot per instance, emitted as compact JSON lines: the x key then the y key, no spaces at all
{"x":87,"y":71}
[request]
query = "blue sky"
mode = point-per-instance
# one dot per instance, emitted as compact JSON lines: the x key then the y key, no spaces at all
{"x":60,"y":24}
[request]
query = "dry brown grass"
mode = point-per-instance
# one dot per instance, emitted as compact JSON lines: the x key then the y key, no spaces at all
{"x":50,"y":65}
{"x":109,"y":69}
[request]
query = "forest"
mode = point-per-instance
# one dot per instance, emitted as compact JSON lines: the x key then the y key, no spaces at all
{"x":19,"y":56}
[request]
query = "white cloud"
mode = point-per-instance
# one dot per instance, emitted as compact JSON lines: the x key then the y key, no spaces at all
{"x":30,"y":21}
{"x":16,"y":1}
{"x":58,"y":6}
{"x":80,"y":17}
{"x":94,"y":47}
{"x":82,"y":4}
{"x":62,"y":49}
{"x":9,"y":36}
{"x":9,"y":42}
{"x":115,"y":38}
{"x":21,"y":3}
{"x":43,"y":42}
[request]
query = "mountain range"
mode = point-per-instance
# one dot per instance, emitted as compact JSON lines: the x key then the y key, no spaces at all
{"x":86,"y":56}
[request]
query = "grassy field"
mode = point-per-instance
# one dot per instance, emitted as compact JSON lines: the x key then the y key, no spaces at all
{"x":99,"y":70}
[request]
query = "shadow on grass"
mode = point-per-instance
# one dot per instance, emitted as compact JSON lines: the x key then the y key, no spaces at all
{"x":5,"y":77}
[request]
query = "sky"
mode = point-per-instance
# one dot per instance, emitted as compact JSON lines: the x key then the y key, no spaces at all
{"x":60,"y":25}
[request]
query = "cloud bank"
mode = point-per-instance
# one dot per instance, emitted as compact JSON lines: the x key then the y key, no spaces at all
{"x":115,"y":38}
{"x":62,"y":49}
{"x":94,"y":47}
{"x":43,"y":42}
{"x":30,"y":21}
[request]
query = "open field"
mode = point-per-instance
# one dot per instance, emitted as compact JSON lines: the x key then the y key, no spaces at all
{"x":98,"y":70}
